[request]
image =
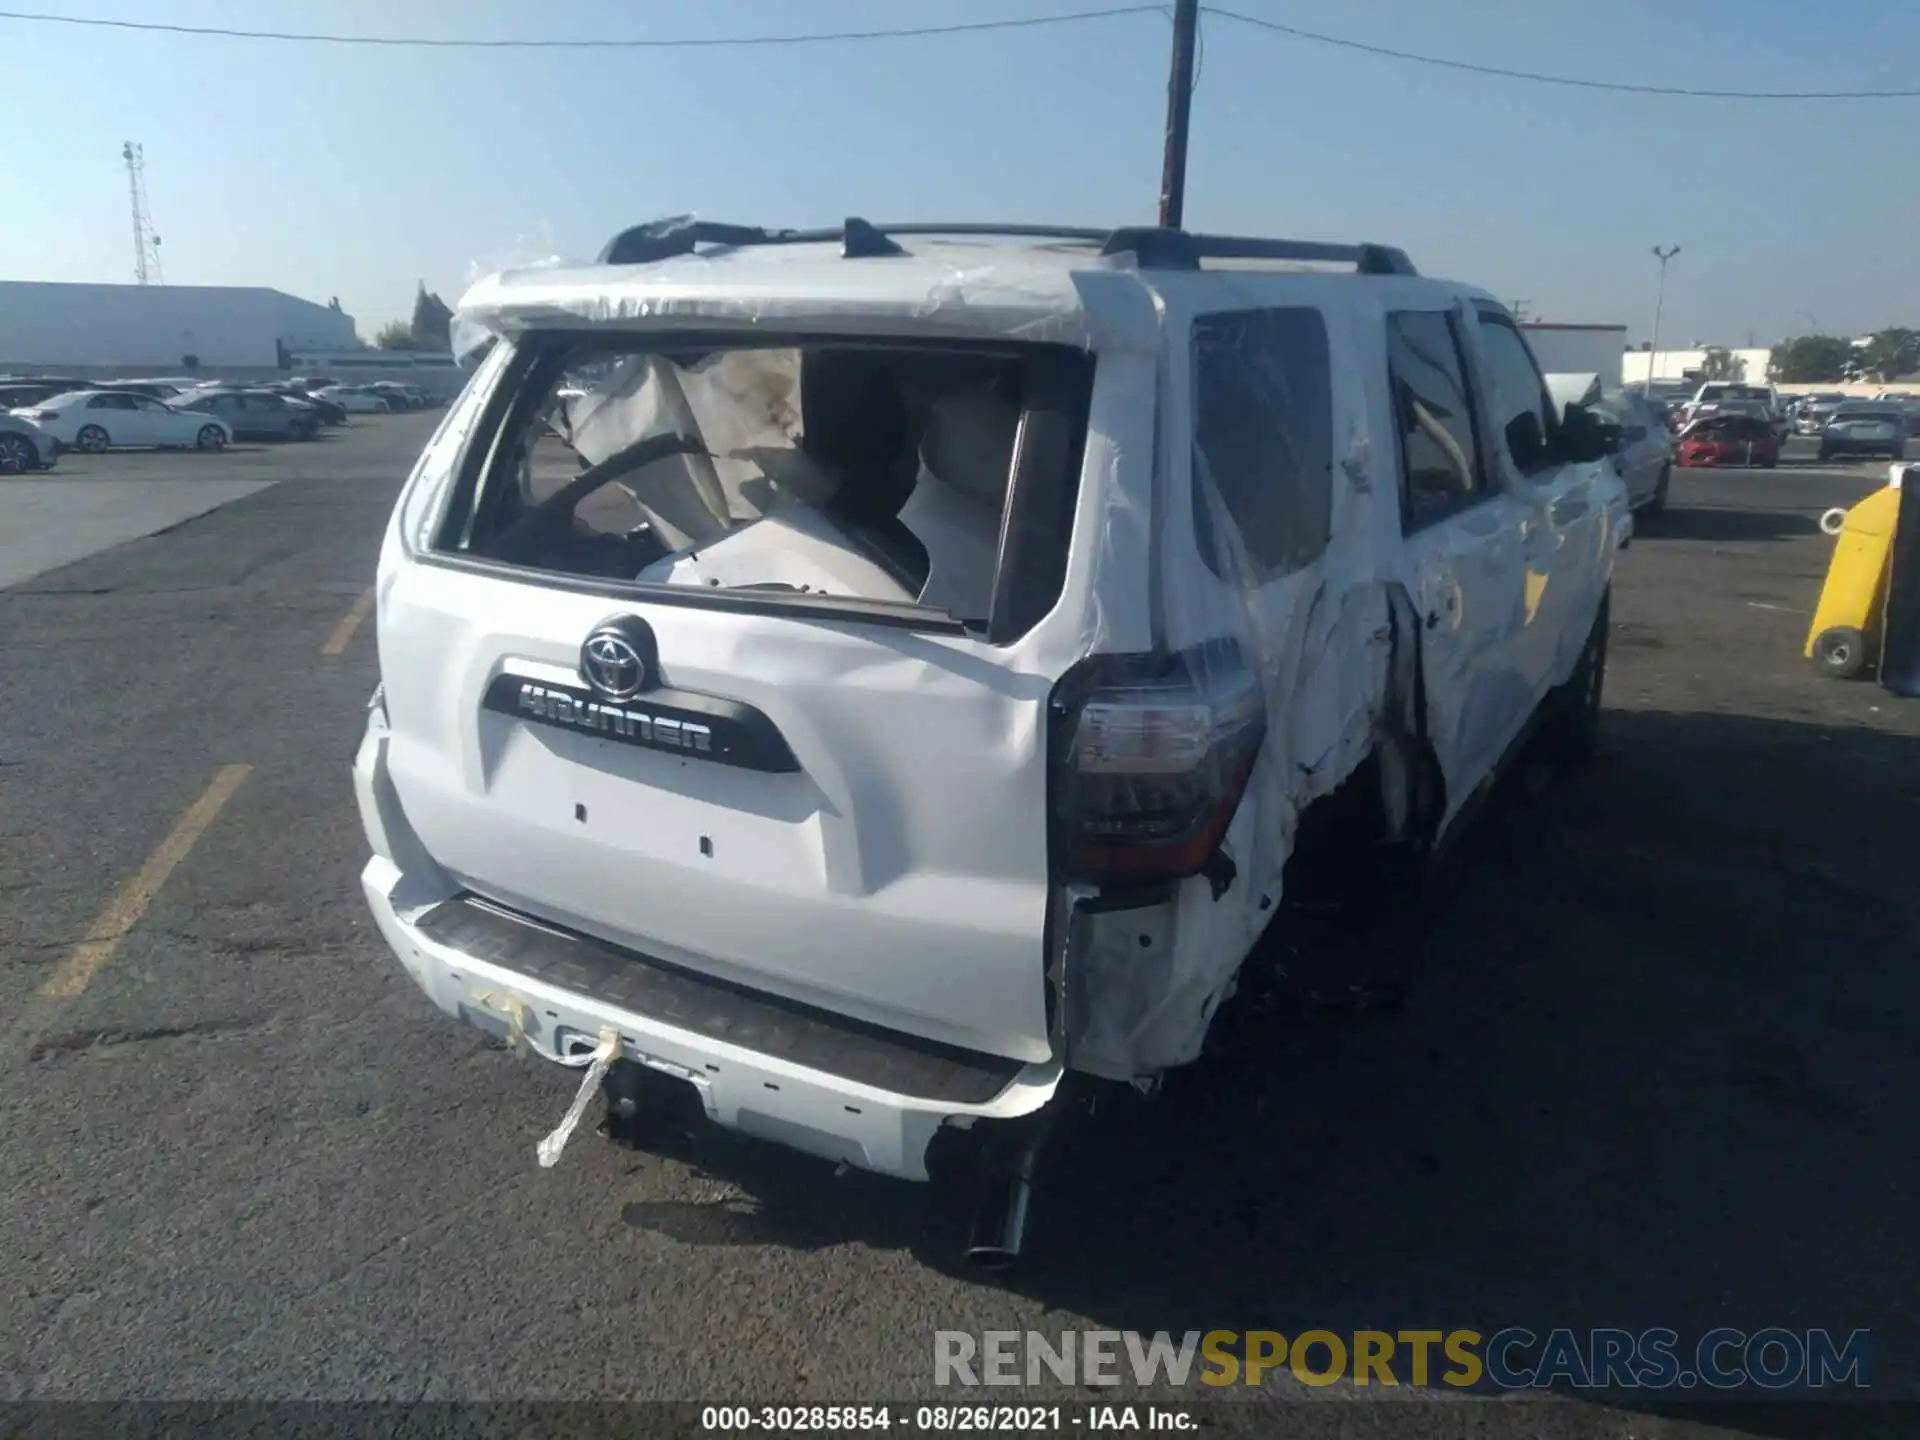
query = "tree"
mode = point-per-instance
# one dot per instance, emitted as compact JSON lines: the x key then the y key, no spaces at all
{"x":1811,"y":360}
{"x":395,"y":335}
{"x":1717,"y":363}
{"x":1889,"y":354}
{"x":432,"y":321}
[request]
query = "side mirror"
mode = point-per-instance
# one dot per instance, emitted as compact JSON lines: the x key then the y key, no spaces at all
{"x":1585,"y":437}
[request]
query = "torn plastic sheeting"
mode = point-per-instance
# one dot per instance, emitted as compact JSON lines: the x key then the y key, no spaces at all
{"x":598,"y":1061}
{"x":1003,"y":291}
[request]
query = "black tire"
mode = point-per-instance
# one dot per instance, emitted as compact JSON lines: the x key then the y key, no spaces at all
{"x":211,"y":437}
{"x":17,"y":455}
{"x":92,"y":439}
{"x":1659,"y":500}
{"x":1825,"y":453}
{"x":1771,"y":462}
{"x":1570,"y":715}
{"x":1840,"y":653}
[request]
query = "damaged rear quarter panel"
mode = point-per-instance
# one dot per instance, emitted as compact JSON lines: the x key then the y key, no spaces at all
{"x":1147,"y":982}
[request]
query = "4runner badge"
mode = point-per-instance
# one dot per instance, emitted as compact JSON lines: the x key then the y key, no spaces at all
{"x":620,"y":658}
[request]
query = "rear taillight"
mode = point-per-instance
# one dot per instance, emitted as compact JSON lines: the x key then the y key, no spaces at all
{"x":1154,"y":753}
{"x":45,"y":415}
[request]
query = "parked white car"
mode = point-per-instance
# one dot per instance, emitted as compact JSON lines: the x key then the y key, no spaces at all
{"x":25,"y":446}
{"x":96,"y":420}
{"x":846,"y":730}
{"x":355,"y":400}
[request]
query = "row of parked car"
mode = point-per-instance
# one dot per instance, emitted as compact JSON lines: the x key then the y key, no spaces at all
{"x":1725,"y":422}
{"x":42,"y":415}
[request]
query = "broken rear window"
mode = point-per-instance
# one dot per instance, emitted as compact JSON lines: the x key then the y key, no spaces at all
{"x":821,"y":471}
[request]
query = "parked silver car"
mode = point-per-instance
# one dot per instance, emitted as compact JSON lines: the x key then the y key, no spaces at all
{"x":1645,"y":459}
{"x":1865,"y":427}
{"x":256,"y":414}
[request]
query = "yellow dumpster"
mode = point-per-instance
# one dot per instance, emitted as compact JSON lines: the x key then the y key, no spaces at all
{"x":1846,"y":632}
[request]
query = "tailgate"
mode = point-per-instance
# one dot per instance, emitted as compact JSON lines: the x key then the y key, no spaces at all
{"x":862,"y":825}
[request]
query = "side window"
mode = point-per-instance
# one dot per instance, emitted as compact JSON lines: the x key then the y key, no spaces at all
{"x":1433,"y":415}
{"x":1263,"y":430}
{"x":110,"y":402}
{"x":1522,"y":414}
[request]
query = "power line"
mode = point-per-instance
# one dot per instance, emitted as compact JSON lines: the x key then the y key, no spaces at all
{"x":959,"y":28}
{"x":1296,"y":33}
{"x":713,"y":43}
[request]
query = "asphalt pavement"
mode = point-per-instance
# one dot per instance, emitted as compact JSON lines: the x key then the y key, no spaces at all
{"x":1658,"y":1067}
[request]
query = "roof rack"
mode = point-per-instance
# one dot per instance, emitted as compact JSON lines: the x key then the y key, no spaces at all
{"x":1156,"y":249}
{"x":1150,"y":248}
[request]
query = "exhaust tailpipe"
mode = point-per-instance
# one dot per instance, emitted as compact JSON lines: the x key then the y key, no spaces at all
{"x":999,"y":1229}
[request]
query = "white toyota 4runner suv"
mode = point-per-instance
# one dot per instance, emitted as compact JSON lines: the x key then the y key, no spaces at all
{"x":848,"y":680}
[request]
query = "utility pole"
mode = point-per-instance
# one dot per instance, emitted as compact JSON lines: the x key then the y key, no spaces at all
{"x":1659,"y":304}
{"x":146,"y":244}
{"x":1173,"y":172}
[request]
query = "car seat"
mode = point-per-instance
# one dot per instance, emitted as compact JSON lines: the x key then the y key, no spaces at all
{"x":958,"y":498}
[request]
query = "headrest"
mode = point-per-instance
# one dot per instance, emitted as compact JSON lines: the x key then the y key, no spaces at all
{"x":969,"y":443}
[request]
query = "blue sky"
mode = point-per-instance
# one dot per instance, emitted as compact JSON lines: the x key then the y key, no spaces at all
{"x":332,"y":170}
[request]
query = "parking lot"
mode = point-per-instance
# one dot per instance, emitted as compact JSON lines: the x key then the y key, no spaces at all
{"x":1658,"y":1068}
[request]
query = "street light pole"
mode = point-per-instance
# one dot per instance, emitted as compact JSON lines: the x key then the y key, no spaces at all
{"x":1659,"y":304}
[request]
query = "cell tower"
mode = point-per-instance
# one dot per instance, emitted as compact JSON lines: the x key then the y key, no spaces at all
{"x":146,"y":244}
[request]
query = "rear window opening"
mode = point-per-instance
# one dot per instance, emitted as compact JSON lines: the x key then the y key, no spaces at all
{"x":806,"y":472}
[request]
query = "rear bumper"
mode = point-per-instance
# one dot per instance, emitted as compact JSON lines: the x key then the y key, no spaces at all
{"x":799,"y":1076}
{"x":801,"y":1106}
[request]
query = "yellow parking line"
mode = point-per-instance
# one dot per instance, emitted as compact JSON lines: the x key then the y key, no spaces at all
{"x":77,"y":970}
{"x":350,"y":622}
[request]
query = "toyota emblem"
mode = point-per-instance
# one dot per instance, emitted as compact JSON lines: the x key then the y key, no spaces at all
{"x":619,"y":658}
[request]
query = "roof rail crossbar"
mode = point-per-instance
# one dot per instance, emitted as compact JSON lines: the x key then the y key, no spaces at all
{"x":679,"y":234}
{"x":1159,"y":249}
{"x":1080,"y":233}
{"x":1150,"y":247}
{"x":859,"y":239}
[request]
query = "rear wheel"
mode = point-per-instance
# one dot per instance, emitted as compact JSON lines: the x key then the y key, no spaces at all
{"x":1840,"y":653}
{"x":16,"y":455}
{"x":1570,"y":722}
{"x":92,"y":439}
{"x":211,"y":437}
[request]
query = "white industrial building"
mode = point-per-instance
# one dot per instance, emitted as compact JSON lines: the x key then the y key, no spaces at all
{"x":1578,"y":349}
{"x":161,"y":329}
{"x":1690,"y":364}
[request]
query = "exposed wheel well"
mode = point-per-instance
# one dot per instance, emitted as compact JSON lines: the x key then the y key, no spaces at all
{"x":1355,"y":875}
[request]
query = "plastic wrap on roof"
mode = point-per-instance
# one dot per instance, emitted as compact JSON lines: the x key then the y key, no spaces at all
{"x":1014,"y":291}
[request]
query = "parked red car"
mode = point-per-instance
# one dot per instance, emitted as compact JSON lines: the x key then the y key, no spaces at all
{"x":1728,"y":440}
